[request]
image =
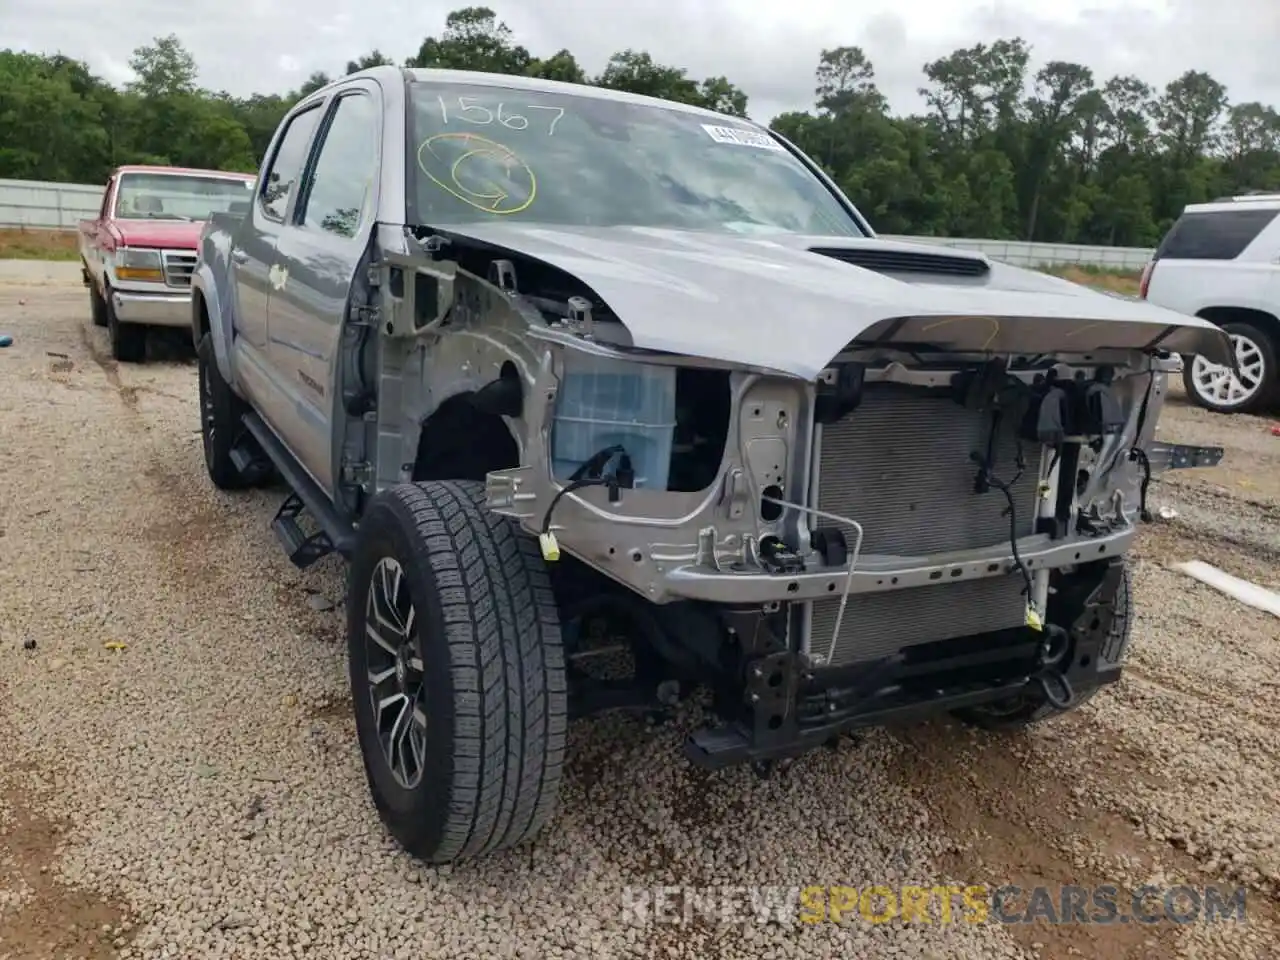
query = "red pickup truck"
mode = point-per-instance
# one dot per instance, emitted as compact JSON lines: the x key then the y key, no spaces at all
{"x":138,"y":253}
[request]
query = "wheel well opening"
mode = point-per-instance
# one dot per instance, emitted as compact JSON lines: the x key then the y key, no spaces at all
{"x":459,"y":442}
{"x":1266,"y":322}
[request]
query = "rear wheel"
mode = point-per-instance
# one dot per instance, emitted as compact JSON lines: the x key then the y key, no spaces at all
{"x":128,"y":340}
{"x":1219,"y":388}
{"x":457,"y":672}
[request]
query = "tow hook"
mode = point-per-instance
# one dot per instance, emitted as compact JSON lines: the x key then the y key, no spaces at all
{"x":1050,"y":675}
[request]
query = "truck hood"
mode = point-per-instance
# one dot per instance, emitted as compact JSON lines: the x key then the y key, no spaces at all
{"x":770,"y":301}
{"x":169,"y":234}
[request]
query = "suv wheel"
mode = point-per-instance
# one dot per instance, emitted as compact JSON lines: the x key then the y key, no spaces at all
{"x":1216,"y":387}
{"x":128,"y":340}
{"x":457,"y":671}
{"x":1031,"y":708}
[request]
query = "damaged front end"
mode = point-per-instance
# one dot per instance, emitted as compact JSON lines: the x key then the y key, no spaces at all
{"x":935,"y":522}
{"x":901,"y":537}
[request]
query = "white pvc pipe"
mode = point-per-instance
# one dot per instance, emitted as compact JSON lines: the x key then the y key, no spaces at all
{"x":1250,"y":594}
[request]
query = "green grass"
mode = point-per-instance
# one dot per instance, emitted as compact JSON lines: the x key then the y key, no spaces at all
{"x":1117,"y":281}
{"x":21,"y":244}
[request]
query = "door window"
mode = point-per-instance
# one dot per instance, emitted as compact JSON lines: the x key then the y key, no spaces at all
{"x":281,"y":178}
{"x":341,"y":188}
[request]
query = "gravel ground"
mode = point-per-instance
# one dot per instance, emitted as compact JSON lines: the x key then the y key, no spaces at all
{"x":182,"y":777}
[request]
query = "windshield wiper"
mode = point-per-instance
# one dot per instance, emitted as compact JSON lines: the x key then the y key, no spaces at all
{"x":169,"y":216}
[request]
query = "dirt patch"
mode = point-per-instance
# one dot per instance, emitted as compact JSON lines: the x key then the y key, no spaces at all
{"x":59,"y":364}
{"x":1026,"y":820}
{"x":332,"y":710}
{"x":108,"y":366}
{"x":50,"y":919}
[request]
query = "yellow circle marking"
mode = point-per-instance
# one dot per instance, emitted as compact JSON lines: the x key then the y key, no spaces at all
{"x":995,"y":327}
{"x":490,"y":195}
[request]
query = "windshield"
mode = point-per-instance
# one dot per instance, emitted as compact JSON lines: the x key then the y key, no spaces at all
{"x":480,"y":153}
{"x":171,"y":196}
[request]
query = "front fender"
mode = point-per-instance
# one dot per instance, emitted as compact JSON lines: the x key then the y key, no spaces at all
{"x":207,"y":301}
{"x":211,"y":285}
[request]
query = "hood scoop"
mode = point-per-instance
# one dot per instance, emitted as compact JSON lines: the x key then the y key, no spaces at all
{"x":907,"y":261}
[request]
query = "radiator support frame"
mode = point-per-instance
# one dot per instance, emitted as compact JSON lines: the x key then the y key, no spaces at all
{"x":813,"y":706}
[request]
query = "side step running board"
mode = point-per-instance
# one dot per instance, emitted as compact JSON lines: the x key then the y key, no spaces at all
{"x":335,"y":534}
{"x":249,"y":461}
{"x":303,"y":549}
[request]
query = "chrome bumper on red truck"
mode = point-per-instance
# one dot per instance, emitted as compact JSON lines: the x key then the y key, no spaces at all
{"x":166,"y":306}
{"x":152,"y":309}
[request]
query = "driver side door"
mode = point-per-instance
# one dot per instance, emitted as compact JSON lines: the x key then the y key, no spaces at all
{"x":254,"y":260}
{"x":323,"y":245}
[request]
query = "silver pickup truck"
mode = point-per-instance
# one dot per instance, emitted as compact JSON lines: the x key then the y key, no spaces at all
{"x":571,"y":376}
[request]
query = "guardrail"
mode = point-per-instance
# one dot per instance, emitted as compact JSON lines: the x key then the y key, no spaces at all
{"x":1052,"y":254}
{"x":37,"y":205}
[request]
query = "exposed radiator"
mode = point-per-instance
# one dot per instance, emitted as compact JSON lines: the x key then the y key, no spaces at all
{"x":879,"y":624}
{"x":900,"y":465}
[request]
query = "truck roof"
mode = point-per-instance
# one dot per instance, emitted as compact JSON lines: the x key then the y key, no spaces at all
{"x":532,"y":84}
{"x":182,"y":171}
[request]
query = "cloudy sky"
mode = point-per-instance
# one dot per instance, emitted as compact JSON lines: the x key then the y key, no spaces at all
{"x":768,"y":47}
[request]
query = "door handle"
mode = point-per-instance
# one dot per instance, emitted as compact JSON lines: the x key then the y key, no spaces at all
{"x":239,"y":256}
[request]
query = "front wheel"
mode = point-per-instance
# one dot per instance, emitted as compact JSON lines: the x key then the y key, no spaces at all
{"x":221,"y":413}
{"x":457,"y":672}
{"x":1032,"y":707}
{"x":1219,"y":388}
{"x":128,"y":340}
{"x":97,"y":306}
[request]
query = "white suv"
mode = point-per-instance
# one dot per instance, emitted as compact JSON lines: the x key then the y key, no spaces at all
{"x":1221,"y":261}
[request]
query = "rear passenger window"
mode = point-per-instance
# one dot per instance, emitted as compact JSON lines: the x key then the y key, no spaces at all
{"x":341,"y":187}
{"x":286,"y":166}
{"x":1221,"y":235}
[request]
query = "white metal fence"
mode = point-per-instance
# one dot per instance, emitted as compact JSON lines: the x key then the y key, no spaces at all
{"x":57,"y":206}
{"x":37,"y":205}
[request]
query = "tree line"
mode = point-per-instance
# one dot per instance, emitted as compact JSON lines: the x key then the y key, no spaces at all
{"x":1000,"y":151}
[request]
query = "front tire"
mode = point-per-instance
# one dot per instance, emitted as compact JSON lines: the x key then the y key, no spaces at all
{"x":457,"y":672}
{"x":128,"y":340}
{"x":1219,"y":389}
{"x":97,"y":306}
{"x":1031,"y":708}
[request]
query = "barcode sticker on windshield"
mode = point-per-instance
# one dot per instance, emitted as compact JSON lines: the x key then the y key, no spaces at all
{"x":740,"y":137}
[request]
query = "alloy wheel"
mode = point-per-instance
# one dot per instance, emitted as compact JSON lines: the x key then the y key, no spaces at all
{"x":1221,"y":385}
{"x":395,"y":673}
